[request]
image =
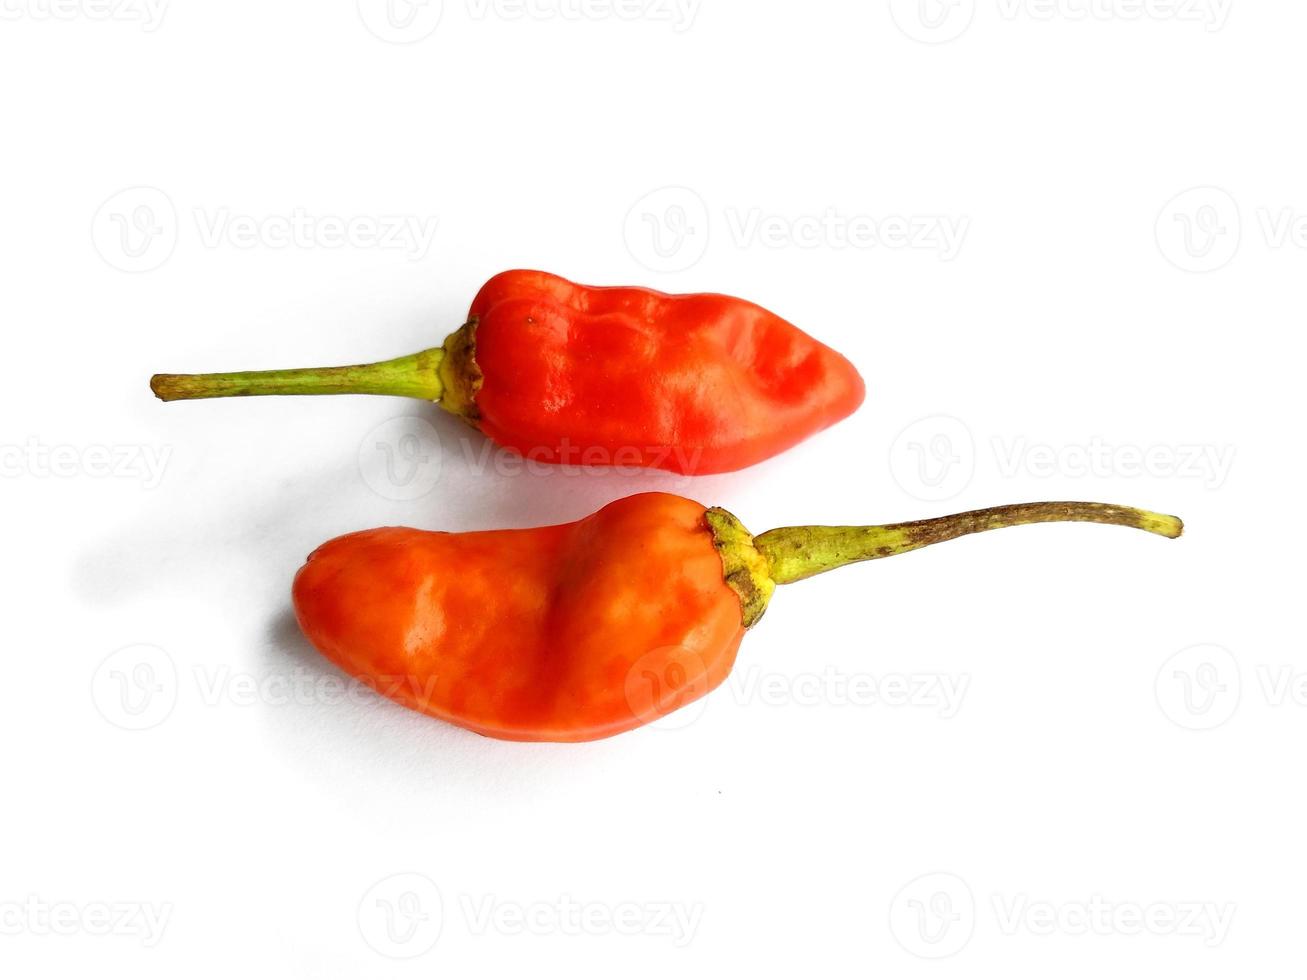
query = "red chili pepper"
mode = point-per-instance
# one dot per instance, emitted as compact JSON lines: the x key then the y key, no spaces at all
{"x":580,"y":631}
{"x":623,"y":376}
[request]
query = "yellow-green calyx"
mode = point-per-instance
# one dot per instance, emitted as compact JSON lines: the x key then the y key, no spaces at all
{"x":460,"y":375}
{"x":754,"y":566}
{"x":746,"y":571}
{"x":448,"y":375}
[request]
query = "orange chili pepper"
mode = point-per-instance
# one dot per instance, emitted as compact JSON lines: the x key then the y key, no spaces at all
{"x":564,"y":373}
{"x":583,"y":630}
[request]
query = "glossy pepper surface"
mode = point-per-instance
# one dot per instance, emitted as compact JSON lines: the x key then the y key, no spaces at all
{"x":617,"y":376}
{"x":583,"y":630}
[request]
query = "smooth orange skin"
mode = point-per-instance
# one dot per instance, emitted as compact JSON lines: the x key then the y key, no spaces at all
{"x":622,"y":376}
{"x":564,"y":633}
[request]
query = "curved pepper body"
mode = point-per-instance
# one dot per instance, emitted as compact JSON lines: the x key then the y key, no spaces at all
{"x":563,"y":633}
{"x":698,"y":383}
{"x":583,"y":630}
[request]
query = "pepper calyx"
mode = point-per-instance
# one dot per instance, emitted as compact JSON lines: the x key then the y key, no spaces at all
{"x":745,"y":569}
{"x":460,"y":374}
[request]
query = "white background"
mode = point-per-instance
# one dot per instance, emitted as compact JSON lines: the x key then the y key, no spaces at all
{"x":1096,"y":795}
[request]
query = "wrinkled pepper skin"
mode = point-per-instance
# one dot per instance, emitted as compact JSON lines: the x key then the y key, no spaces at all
{"x":564,"y":633}
{"x":583,"y":630}
{"x":698,"y":383}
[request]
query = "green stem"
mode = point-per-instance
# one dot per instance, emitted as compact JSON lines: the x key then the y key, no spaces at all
{"x":796,"y":553}
{"x":414,"y":376}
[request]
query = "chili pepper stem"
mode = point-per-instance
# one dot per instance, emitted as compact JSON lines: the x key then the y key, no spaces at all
{"x":413,"y":376}
{"x":796,"y":553}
